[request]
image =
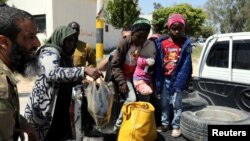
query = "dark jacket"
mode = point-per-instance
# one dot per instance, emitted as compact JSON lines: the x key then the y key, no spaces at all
{"x":183,"y":70}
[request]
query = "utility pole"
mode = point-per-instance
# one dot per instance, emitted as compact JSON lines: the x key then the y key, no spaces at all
{"x":99,"y":30}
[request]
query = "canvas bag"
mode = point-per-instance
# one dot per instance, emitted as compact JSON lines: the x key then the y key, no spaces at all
{"x":138,"y":122}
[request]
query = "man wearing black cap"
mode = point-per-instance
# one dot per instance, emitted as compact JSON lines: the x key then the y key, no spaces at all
{"x":124,"y":62}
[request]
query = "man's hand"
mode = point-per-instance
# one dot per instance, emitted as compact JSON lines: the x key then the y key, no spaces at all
{"x":123,"y":88}
{"x":93,"y":72}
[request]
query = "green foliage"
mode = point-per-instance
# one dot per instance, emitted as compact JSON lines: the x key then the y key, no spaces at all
{"x":229,"y":15}
{"x":246,"y":13}
{"x":3,"y":1}
{"x":195,"y":17}
{"x":121,"y":13}
{"x":206,"y":31}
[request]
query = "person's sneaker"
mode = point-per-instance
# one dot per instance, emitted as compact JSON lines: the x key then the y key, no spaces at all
{"x":176,"y":132}
{"x":163,"y":128}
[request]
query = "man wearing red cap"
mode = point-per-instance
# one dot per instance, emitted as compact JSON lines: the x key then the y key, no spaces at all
{"x":173,"y":70}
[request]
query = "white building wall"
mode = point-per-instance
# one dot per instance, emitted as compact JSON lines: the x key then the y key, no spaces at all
{"x":61,"y":12}
{"x":81,"y":11}
{"x":36,"y":7}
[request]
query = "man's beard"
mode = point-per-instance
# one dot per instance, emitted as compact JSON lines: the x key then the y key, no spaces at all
{"x":22,"y":62}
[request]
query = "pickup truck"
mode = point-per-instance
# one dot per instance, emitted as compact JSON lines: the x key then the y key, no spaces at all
{"x":223,"y":82}
{"x":224,"y":70}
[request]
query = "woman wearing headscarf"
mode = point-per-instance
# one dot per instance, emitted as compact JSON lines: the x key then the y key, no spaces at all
{"x":49,"y":103}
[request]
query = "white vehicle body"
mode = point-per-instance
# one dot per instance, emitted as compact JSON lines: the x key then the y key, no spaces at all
{"x":224,"y":70}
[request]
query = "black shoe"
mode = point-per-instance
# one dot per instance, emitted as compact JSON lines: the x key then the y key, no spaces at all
{"x":163,"y":128}
{"x":93,"y":133}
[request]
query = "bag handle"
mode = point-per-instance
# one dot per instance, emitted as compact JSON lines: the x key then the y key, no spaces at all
{"x":130,"y":106}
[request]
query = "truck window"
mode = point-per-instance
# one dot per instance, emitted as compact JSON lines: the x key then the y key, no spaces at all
{"x":241,"y":53}
{"x":218,"y":55}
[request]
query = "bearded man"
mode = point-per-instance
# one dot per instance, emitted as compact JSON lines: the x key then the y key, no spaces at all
{"x":18,"y":44}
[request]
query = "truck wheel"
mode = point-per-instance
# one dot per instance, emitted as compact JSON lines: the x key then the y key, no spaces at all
{"x":194,"y":124}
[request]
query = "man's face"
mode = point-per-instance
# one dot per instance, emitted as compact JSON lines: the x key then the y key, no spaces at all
{"x":76,"y":28}
{"x":177,"y":30}
{"x":22,"y":53}
{"x":125,"y":34}
{"x":140,"y":37}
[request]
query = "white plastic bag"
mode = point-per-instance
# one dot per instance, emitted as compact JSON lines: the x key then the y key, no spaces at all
{"x":100,"y":100}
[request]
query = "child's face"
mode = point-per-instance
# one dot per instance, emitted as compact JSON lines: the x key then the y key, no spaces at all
{"x":177,"y":30}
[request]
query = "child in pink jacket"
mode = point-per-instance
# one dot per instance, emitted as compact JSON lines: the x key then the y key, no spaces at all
{"x":142,"y":77}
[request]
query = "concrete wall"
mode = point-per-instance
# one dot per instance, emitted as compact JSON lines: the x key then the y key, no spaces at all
{"x":36,"y":7}
{"x":61,"y":12}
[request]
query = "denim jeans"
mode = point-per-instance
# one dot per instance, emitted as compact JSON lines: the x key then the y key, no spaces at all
{"x":168,"y":98}
{"x":130,"y":97}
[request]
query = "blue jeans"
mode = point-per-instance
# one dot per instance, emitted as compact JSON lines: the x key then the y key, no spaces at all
{"x":168,"y":98}
{"x":130,"y":97}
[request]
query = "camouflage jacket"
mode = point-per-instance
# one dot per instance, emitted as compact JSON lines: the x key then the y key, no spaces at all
{"x":9,"y":104}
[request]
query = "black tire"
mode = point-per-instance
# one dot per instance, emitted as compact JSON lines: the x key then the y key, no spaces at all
{"x":194,"y":124}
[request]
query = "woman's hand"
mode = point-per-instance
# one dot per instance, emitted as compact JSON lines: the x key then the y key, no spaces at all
{"x":93,"y":72}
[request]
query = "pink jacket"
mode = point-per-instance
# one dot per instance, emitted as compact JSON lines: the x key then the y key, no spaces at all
{"x":141,"y":71}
